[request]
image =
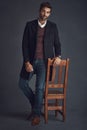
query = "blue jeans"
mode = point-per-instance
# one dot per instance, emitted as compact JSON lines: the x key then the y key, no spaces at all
{"x":36,"y":98}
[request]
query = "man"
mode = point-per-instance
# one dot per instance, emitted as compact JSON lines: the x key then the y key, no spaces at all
{"x":40,"y":42}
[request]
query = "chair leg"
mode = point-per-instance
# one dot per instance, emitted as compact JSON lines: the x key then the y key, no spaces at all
{"x":46,"y":116}
{"x":46,"y":111}
{"x":64,"y":115}
{"x":64,"y":110}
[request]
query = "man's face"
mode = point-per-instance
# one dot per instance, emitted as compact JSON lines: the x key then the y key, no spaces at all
{"x":44,"y":13}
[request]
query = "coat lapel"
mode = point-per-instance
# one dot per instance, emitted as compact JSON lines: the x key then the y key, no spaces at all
{"x":35,"y":27}
{"x":34,"y":30}
{"x":47,"y":30}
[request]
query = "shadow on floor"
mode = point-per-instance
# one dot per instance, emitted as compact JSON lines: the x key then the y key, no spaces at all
{"x":25,"y":116}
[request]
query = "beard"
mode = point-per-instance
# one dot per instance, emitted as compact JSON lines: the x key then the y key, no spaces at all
{"x":43,"y":18}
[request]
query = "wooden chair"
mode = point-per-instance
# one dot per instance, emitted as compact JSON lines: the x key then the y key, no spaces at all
{"x":55,"y":89}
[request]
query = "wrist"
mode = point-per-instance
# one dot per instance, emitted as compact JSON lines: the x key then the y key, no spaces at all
{"x":27,"y":63}
{"x":58,"y":57}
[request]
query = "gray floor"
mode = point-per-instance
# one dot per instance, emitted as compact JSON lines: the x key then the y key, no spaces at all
{"x":17,"y":120}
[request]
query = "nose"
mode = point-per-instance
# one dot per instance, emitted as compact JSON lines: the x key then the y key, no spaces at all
{"x":45,"y":13}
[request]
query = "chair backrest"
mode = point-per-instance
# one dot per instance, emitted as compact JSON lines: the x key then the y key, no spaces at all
{"x":57,"y":75}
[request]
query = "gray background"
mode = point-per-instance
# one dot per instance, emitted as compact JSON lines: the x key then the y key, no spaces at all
{"x":71,"y":19}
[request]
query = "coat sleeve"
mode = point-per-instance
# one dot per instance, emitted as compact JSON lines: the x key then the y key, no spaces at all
{"x":57,"y":44}
{"x":25,"y":44}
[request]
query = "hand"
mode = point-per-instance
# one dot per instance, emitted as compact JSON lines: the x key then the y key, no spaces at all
{"x":57,"y":61}
{"x":28,"y":67}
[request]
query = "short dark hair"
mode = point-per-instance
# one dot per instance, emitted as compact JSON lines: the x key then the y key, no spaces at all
{"x":45,"y":4}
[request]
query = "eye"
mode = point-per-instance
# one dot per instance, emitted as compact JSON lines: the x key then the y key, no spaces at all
{"x":48,"y":12}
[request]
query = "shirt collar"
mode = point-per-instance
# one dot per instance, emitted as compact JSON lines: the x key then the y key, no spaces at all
{"x":42,"y":25}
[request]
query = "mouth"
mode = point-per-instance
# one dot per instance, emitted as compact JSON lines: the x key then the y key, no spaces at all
{"x":44,"y":17}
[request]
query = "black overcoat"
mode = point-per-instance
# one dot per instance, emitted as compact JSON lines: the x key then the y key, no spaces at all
{"x":51,"y":44}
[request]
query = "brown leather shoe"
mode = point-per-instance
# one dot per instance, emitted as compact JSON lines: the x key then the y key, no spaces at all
{"x":35,"y":121}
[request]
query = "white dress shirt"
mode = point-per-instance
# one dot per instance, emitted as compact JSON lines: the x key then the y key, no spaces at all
{"x":42,"y":25}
